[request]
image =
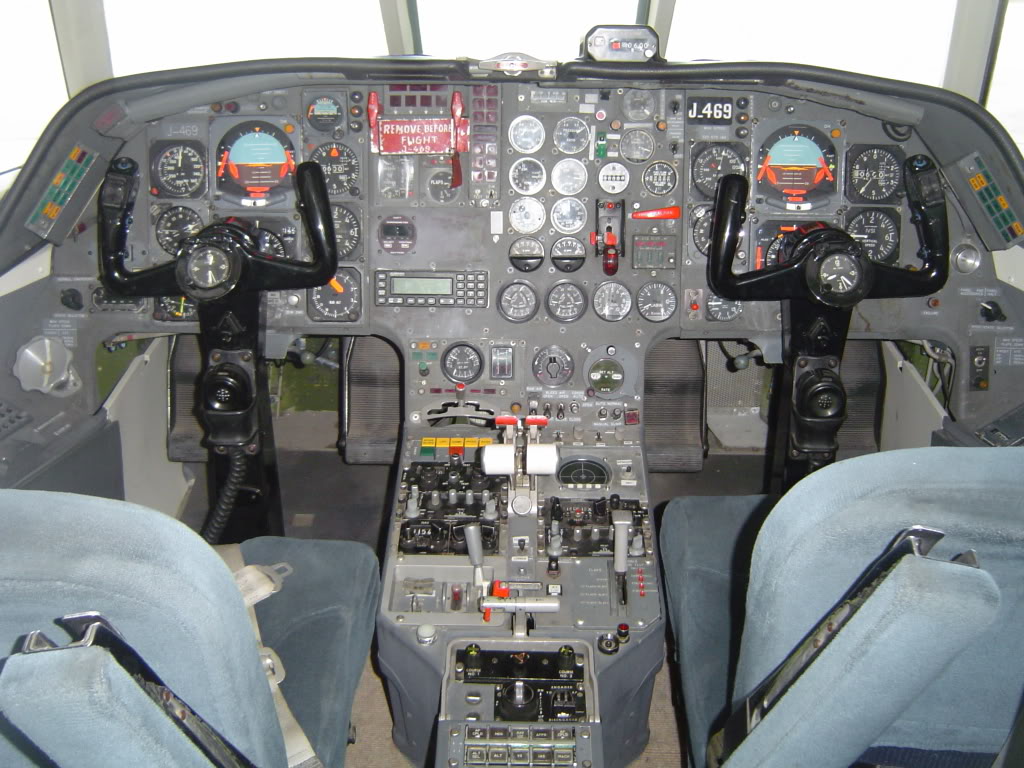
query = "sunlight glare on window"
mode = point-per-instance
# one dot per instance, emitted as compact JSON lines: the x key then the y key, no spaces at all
{"x":871,"y":36}
{"x":189,"y":33}
{"x":33,"y":99}
{"x":482,"y":29}
{"x":1004,"y":97}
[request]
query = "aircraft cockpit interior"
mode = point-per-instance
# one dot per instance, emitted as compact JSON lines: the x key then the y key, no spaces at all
{"x":638,"y":404}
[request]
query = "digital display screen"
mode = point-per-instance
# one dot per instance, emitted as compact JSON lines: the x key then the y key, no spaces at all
{"x":709,"y":111}
{"x":395,"y":231}
{"x":422,"y":286}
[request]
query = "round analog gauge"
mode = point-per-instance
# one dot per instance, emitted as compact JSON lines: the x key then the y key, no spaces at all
{"x":612,"y":301}
{"x":638,"y":106}
{"x":180,"y":170}
{"x":797,"y":166}
{"x":568,"y":254}
{"x":839,"y":274}
{"x":346,"y":230}
{"x":877,"y":232}
{"x":572,"y":134}
{"x":526,"y":254}
{"x":659,"y":178}
{"x":338,"y":300}
{"x":527,"y":176}
{"x":875,"y":174}
{"x":208,"y":267}
{"x":712,"y":163}
{"x":606,"y":376}
{"x":722,"y":310}
{"x":323,"y":113}
{"x":462,"y":363}
{"x":340,"y":166}
{"x":253,"y":159}
{"x":566,"y":302}
{"x":269,"y":243}
{"x":440,"y":189}
{"x":770,"y":239}
{"x":526,"y":215}
{"x":656,"y":302}
{"x":613,"y":178}
{"x":174,"y":224}
{"x":395,"y":177}
{"x":569,"y":176}
{"x":582,"y":472}
{"x":553,"y":366}
{"x":702,"y":218}
{"x":568,"y":215}
{"x":517,"y":302}
{"x":637,"y":146}
{"x":176,"y":308}
{"x":526,"y":134}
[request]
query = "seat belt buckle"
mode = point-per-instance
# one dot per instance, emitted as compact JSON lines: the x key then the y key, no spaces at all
{"x":258,"y":582}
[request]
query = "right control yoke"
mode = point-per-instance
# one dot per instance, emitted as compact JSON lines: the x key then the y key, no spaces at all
{"x":792,"y":279}
{"x":822,"y":272}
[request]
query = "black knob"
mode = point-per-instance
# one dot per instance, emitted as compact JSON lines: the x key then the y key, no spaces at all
{"x":566,"y":658}
{"x":991,"y":312}
{"x":226,"y":388}
{"x":519,"y":701}
{"x":72,"y":299}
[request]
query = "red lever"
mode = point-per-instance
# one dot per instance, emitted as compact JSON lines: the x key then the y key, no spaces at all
{"x":672,"y":212}
{"x":456,"y":163}
{"x":500,"y":589}
{"x":506,"y":421}
{"x":372,"y":112}
{"x":540,"y":421}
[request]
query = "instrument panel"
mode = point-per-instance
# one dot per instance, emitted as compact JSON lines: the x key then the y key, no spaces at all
{"x":563,"y":227}
{"x":583,"y":202}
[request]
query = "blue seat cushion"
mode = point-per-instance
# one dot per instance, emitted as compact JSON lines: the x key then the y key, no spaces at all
{"x":164,"y":589}
{"x":320,"y":625}
{"x":706,"y":543}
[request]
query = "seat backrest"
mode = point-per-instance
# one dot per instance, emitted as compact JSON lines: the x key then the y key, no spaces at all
{"x":163,"y":588}
{"x":823,"y":533}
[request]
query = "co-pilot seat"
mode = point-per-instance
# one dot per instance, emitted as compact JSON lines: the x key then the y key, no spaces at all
{"x":928,"y":671}
{"x":175,"y":602}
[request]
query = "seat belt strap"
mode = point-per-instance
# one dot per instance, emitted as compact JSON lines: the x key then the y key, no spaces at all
{"x":256,"y":583}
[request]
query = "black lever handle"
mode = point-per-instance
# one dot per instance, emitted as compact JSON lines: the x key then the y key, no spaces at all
{"x":927,"y":201}
{"x":117,"y":203}
{"x":117,"y":206}
{"x":315,"y":208}
{"x":783,"y":281}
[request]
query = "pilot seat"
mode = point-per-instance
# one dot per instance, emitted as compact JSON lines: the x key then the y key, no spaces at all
{"x":832,"y":653}
{"x":146,"y":654}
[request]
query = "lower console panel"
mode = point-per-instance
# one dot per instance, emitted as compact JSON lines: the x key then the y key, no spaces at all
{"x":522,"y":620}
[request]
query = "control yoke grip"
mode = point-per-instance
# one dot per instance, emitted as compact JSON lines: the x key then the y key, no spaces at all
{"x":117,"y":206}
{"x":784,"y":281}
{"x":926,"y":199}
{"x":274,"y":274}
